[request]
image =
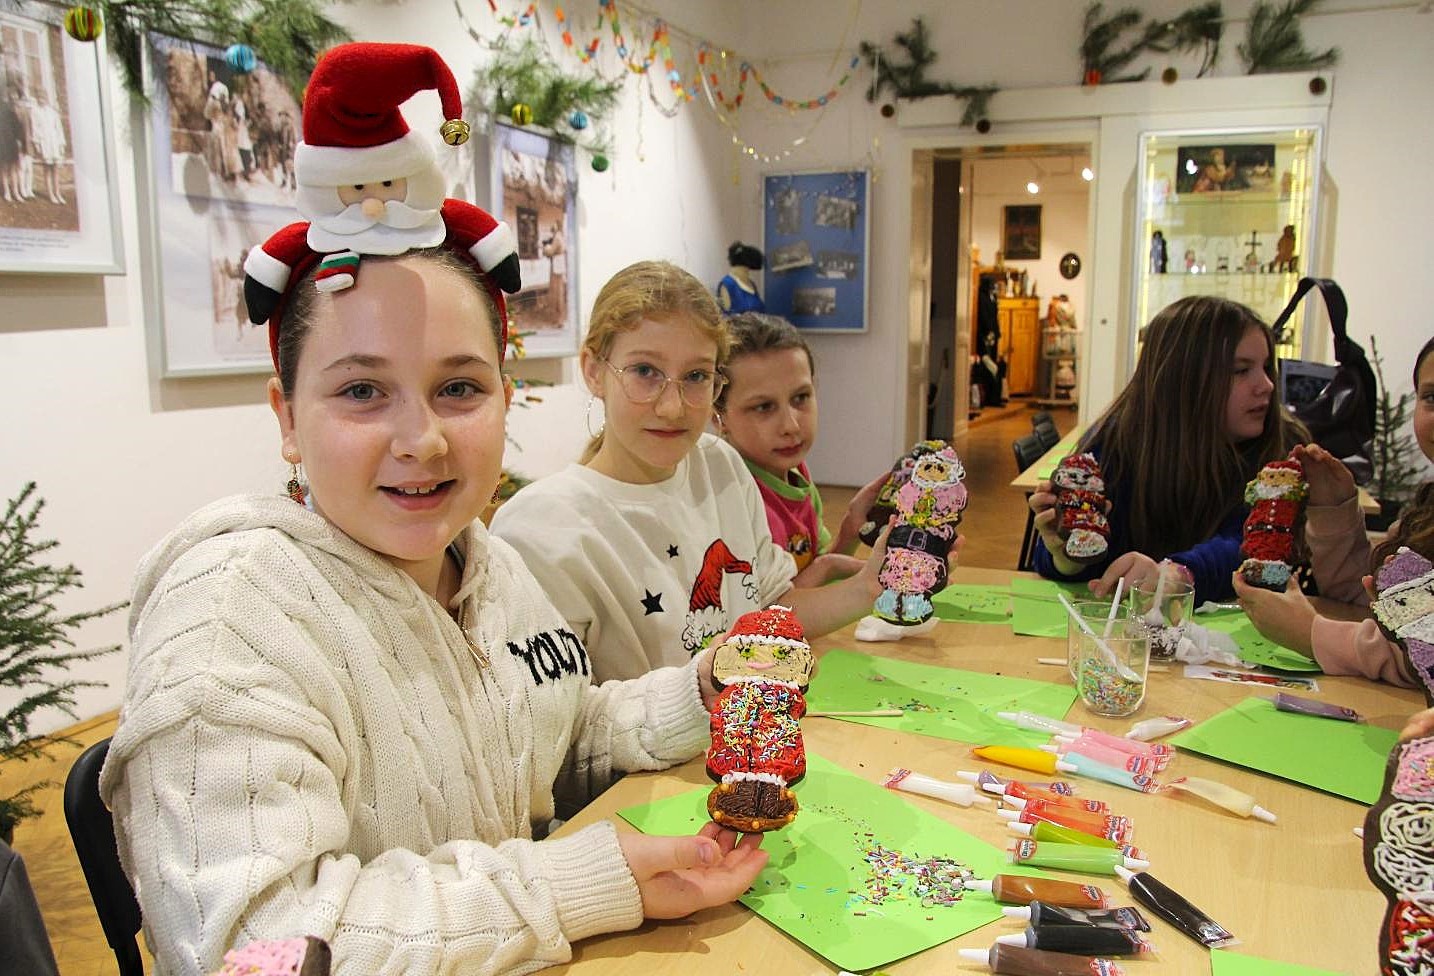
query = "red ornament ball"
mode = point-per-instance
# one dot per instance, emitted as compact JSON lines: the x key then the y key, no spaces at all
{"x":1092,"y":77}
{"x":83,"y":24}
{"x":1318,"y":86}
{"x":888,"y":110}
{"x":1169,"y":76}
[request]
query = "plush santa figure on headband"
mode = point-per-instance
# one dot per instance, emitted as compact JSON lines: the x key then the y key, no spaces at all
{"x":367,"y":184}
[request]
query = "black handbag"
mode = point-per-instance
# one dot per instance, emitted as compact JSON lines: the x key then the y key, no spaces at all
{"x":1341,"y":417}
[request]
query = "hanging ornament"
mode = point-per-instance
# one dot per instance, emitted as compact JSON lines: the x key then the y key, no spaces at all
{"x":983,"y":126}
{"x":241,"y":58}
{"x":522,"y":114}
{"x":83,"y":24}
{"x":888,"y":110}
{"x":578,"y":120}
{"x":1318,"y":85}
{"x":600,"y":163}
{"x":1169,"y":76}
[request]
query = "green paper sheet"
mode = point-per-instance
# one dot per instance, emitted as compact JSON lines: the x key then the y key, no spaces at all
{"x":969,"y":603}
{"x":937,"y":701}
{"x":1226,"y":963}
{"x":1344,"y":758}
{"x":1035,"y":609}
{"x":1254,"y":648}
{"x":816,"y":888}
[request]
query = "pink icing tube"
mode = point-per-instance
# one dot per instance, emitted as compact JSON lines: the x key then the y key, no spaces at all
{"x":1104,"y":754}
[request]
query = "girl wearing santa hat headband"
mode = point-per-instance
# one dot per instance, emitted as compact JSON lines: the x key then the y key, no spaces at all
{"x":658,"y":540}
{"x":352,"y":713}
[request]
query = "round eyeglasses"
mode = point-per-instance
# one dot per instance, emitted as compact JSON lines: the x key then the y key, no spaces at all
{"x":644,"y":383}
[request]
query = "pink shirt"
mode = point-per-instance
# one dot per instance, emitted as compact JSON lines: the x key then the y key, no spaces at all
{"x":794,"y":512}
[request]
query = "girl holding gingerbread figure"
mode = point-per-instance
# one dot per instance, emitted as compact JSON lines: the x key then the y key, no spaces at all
{"x":1196,"y":422}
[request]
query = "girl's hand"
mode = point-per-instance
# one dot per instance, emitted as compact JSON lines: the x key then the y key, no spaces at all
{"x":1330,"y":481}
{"x":851,"y":523}
{"x":677,"y":876}
{"x":1137,"y":569}
{"x":827,"y":567}
{"x":1420,"y":725}
{"x":866,"y":576}
{"x":1285,"y":618}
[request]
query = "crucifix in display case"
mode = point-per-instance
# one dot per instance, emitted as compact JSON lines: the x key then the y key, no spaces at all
{"x":1252,"y":259}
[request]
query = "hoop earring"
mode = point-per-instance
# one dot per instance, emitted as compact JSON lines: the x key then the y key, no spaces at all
{"x":295,"y":488}
{"x":588,"y":418}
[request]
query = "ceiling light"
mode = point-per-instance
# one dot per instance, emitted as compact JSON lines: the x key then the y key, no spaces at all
{"x":1033,"y":187}
{"x":1087,"y":174}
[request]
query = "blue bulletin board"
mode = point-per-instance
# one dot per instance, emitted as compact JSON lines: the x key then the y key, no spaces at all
{"x":815,"y":231}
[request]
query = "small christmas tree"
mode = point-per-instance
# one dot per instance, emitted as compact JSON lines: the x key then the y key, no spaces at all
{"x":1396,"y":457}
{"x":33,"y":638}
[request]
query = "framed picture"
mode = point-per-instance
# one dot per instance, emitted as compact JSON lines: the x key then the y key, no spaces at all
{"x":1021,"y":232}
{"x":815,"y":228}
{"x":535,"y":190}
{"x":1225,"y":168}
{"x":59,"y":205}
{"x":220,"y":157}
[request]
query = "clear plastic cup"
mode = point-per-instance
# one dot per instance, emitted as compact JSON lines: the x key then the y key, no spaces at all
{"x":1094,"y":613}
{"x":1111,"y":671}
{"x":1166,"y":620}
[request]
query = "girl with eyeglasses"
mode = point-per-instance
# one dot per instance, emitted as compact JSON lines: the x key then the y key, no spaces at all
{"x":657,"y":540}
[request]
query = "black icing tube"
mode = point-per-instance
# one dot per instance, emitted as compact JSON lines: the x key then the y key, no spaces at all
{"x":1175,"y":909}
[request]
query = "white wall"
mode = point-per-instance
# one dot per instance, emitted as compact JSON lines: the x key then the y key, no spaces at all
{"x":121,"y":455}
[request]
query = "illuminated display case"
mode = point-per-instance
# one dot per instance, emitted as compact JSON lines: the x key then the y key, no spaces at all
{"x":1231,"y":213}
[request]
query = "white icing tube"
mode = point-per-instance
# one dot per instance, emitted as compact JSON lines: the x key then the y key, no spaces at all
{"x":1222,"y":796}
{"x":961,"y":794}
{"x":1154,"y":728}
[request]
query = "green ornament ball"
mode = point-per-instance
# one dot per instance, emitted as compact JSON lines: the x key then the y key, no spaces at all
{"x":600,"y":163}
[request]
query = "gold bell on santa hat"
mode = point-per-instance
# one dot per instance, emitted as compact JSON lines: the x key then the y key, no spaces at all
{"x":455,"y":132}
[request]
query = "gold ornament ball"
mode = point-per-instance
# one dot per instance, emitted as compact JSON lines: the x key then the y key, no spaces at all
{"x":522,"y":114}
{"x":83,"y":24}
{"x":1170,"y":76}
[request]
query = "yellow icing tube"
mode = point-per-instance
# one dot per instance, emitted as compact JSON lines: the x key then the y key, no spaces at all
{"x":1033,"y":759}
{"x":1222,"y":796}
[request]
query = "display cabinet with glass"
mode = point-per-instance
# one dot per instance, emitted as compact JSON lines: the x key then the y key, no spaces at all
{"x":1230,"y":213}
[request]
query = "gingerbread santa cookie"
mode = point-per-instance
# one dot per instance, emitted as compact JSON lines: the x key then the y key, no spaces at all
{"x":1277,"y":500}
{"x":1081,"y":507}
{"x":757,"y":753}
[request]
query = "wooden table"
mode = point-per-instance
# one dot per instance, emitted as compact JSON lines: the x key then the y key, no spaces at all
{"x":1027,"y":480}
{"x":1294,"y":892}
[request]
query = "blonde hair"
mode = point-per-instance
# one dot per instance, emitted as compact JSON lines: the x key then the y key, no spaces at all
{"x":648,"y":290}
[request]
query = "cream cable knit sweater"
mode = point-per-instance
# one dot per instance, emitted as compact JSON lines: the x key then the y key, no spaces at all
{"x":308,"y":746}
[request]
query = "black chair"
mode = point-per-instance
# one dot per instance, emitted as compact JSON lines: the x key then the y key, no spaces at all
{"x":1047,"y":434}
{"x":1028,"y":451}
{"x":93,"y":831}
{"x":1040,"y":418}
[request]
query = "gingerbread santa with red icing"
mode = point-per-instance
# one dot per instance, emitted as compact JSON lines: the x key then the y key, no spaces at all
{"x":1277,"y":500}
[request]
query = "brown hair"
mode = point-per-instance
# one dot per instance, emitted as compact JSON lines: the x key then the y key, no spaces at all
{"x":1165,"y":433}
{"x":303,"y":305}
{"x":756,"y":332}
{"x":1415,"y":528}
{"x":646,"y":290}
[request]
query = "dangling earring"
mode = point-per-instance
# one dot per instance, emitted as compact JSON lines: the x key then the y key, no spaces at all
{"x":588,"y":418}
{"x":295,"y":487}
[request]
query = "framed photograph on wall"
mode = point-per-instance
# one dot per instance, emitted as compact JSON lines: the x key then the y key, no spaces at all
{"x":221,"y":167}
{"x":1021,"y":232}
{"x":59,"y":209}
{"x":1225,"y":169}
{"x":815,"y":232}
{"x":535,"y":191}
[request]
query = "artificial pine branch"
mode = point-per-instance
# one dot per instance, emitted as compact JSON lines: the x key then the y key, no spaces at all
{"x":1274,"y":43}
{"x":1201,"y":25}
{"x":908,"y":79}
{"x":1396,"y":467}
{"x":524,"y":74}
{"x":34,"y":636}
{"x":1101,"y":65}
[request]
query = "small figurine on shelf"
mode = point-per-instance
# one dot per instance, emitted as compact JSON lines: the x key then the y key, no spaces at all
{"x":1158,"y":258}
{"x":1190,"y":261}
{"x":1284,"y":252}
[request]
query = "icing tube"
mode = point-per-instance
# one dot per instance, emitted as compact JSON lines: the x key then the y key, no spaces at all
{"x":1308,"y":706}
{"x":1222,"y":796}
{"x":1017,"y":889}
{"x":1154,"y":728}
{"x":1124,"y":744}
{"x":1073,"y":857}
{"x":1074,"y":762}
{"x":1038,"y":913}
{"x":1104,"y":754}
{"x":1018,"y":961}
{"x":1172,"y":907}
{"x":1040,"y":723}
{"x":1032,"y":759}
{"x":1044,"y":830}
{"x":962,"y":794}
{"x":1017,"y":795}
{"x":992,"y":783}
{"x":1109,"y":826}
{"x":1084,"y":939}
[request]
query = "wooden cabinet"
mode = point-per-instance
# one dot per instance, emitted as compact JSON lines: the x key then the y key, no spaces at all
{"x":1020,"y":324}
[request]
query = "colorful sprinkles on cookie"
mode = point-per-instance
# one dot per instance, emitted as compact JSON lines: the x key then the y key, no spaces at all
{"x":1277,"y":499}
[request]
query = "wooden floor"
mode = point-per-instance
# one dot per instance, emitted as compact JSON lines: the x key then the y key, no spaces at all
{"x":993,"y":524}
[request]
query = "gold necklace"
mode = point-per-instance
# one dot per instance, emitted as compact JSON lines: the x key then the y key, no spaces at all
{"x":480,"y":657}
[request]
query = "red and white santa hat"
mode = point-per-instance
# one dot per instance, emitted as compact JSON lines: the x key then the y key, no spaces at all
{"x":353,"y":130}
{"x":774,"y":625}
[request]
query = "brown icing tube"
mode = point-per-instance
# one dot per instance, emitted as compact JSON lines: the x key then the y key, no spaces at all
{"x":1016,"y":889}
{"x":1173,"y":907}
{"x":1015,"y":961}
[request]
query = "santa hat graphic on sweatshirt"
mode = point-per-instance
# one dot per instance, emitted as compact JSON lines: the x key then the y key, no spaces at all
{"x":705,"y":616}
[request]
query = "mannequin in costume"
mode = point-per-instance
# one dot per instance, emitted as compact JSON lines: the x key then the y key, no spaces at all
{"x":736,"y":292}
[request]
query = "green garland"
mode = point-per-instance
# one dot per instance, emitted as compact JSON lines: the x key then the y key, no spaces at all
{"x":1199,"y":26}
{"x":1099,"y":63}
{"x":908,"y":79}
{"x":524,"y":74}
{"x":1273,"y":42}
